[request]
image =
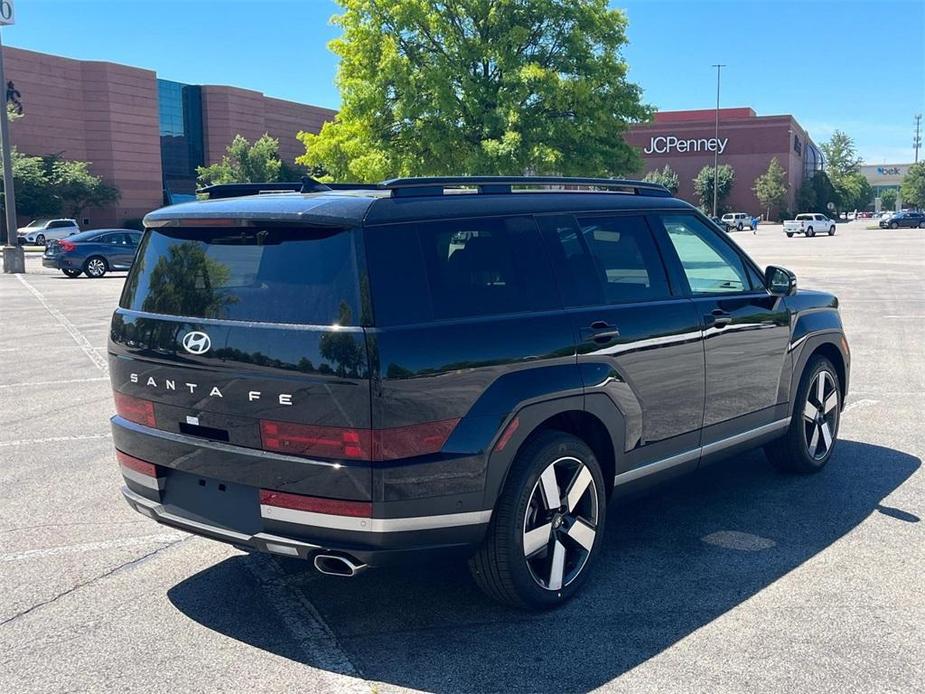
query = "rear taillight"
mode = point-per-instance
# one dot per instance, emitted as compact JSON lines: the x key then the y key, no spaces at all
{"x":66,"y":246}
{"x":356,"y":444}
{"x":315,"y":504}
{"x":135,"y":409}
{"x":136,"y":464}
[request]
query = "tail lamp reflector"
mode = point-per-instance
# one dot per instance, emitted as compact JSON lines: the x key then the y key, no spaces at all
{"x":135,"y":409}
{"x":66,"y":246}
{"x":356,"y":444}
{"x":315,"y":504}
{"x":136,"y":464}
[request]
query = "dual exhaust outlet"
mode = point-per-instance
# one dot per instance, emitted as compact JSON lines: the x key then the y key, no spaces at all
{"x":338,"y":565}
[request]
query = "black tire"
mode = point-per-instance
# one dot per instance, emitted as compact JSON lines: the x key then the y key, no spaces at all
{"x":832,"y":230}
{"x":794,"y":452}
{"x":96,"y":266}
{"x":810,"y":233}
{"x":501,"y":567}
{"x":73,"y":273}
{"x":739,"y":227}
{"x":40,"y":240}
{"x":789,"y":234}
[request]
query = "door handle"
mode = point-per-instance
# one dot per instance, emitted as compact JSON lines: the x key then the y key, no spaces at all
{"x":600,"y":331}
{"x":719,"y":318}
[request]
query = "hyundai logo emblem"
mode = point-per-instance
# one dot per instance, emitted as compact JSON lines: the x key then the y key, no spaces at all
{"x":196,"y":342}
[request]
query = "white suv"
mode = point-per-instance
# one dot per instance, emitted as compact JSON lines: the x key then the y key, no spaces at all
{"x":38,"y":231}
{"x":738,"y":220}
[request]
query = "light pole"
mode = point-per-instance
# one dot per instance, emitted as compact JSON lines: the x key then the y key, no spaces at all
{"x":716,"y":141}
{"x":13,"y":258}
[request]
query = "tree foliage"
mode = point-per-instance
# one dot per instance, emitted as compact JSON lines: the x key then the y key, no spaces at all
{"x":52,"y":185}
{"x":842,"y":164}
{"x":479,"y":87}
{"x":771,"y":187}
{"x":667,"y":177}
{"x":245,"y":163}
{"x":888,"y":199}
{"x":816,"y":193}
{"x":913,"y":186}
{"x":703,"y":186}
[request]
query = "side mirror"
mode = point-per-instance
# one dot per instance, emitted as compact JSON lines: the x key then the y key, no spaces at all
{"x":780,"y":281}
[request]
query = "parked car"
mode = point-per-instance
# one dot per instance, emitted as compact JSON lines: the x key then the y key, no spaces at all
{"x":38,"y":231}
{"x":718,"y":221}
{"x":809,"y":224}
{"x":907,"y":218}
{"x":93,"y":252}
{"x":738,"y":221}
{"x":362,"y":377}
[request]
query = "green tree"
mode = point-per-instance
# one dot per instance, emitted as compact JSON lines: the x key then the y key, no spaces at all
{"x":35,"y":195}
{"x":703,"y":186}
{"x":842,"y":164}
{"x":245,"y":163}
{"x":667,"y":177}
{"x":888,"y":199}
{"x":76,"y":187}
{"x":771,"y":187}
{"x":912,"y":188}
{"x":816,"y":193}
{"x":854,"y":192}
{"x":479,"y":87}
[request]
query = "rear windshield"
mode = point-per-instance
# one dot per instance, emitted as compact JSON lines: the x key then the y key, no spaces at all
{"x":273,"y":275}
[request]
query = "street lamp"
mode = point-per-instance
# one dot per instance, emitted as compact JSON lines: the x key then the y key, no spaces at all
{"x":716,"y":141}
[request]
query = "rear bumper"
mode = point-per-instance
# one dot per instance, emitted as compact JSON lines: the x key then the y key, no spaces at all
{"x":186,"y":495}
{"x":50,"y":262}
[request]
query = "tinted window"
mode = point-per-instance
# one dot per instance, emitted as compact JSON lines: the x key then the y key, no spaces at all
{"x":59,"y":225}
{"x":277,"y":275}
{"x":710,"y":264}
{"x":626,"y":260}
{"x":457,"y":268}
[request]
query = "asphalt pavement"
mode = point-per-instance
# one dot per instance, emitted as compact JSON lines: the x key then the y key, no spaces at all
{"x":735,"y":579}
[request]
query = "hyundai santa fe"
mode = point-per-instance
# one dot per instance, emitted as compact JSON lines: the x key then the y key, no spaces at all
{"x":360,"y":375}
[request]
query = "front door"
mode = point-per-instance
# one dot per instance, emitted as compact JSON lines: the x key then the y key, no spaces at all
{"x":746,"y":329}
{"x":639,"y":340}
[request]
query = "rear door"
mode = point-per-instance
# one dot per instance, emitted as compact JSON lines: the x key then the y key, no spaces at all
{"x":746,"y":329}
{"x":639,"y":340}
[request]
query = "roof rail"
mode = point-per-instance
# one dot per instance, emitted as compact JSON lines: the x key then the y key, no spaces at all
{"x":435,"y":185}
{"x":236,"y":190}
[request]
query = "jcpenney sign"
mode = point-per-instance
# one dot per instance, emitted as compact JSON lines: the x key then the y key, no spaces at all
{"x":663,"y":144}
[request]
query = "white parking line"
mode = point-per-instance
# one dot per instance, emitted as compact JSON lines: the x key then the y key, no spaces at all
{"x":55,"y":439}
{"x":54,"y":383}
{"x":72,"y":330}
{"x":157,"y":539}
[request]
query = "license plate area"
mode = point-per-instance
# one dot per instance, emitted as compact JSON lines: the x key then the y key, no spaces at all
{"x":213,"y":502}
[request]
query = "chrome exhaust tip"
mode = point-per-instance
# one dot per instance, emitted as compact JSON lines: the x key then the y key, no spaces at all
{"x":337,"y":565}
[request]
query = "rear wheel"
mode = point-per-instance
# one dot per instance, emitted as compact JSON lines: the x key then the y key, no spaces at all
{"x":811,"y":436}
{"x":789,"y":234}
{"x":832,"y":230}
{"x":72,"y":273}
{"x":546,"y":527}
{"x":95,"y":266}
{"x":40,"y":240}
{"x":810,"y":233}
{"x":894,"y":225}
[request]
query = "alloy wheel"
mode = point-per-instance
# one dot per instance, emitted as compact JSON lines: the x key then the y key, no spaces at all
{"x":96,"y":267}
{"x":560,"y":523}
{"x":820,"y":415}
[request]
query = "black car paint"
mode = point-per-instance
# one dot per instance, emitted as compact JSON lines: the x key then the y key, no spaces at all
{"x":667,"y":385}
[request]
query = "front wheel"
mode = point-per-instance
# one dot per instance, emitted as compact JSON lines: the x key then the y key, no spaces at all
{"x":40,"y":240}
{"x":811,"y":435}
{"x":95,"y":266}
{"x":72,"y":273}
{"x":832,"y":230}
{"x":547,"y":525}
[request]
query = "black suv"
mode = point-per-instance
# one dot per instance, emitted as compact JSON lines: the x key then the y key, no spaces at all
{"x":351,"y":376}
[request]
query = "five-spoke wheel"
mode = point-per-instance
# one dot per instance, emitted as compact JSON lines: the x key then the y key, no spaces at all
{"x":820,"y":415}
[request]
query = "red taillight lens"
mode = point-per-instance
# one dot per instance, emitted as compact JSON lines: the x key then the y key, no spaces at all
{"x":298,"y":502}
{"x":135,"y":409}
{"x":66,"y":246}
{"x":357,"y":444}
{"x":136,"y":464}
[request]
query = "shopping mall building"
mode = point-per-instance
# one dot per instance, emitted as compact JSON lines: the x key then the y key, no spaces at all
{"x":687,"y":141}
{"x":143,"y":134}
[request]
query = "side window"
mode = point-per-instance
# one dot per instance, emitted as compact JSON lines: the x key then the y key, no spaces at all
{"x":485,"y":266}
{"x":626,"y":260}
{"x":710,"y":264}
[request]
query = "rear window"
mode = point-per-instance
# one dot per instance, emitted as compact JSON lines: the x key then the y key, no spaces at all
{"x":273,"y":275}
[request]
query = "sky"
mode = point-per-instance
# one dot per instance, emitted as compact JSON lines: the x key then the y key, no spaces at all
{"x":855,"y":66}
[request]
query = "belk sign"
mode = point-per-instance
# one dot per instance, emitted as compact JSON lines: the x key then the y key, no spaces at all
{"x":663,"y":144}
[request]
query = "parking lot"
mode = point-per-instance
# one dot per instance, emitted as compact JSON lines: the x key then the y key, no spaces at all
{"x":735,"y":579}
